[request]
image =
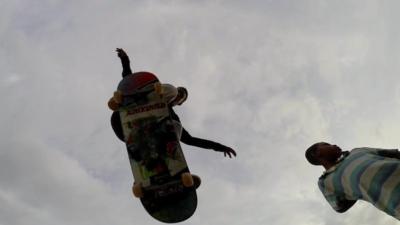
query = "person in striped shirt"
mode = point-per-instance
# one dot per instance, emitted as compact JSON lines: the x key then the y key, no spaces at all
{"x":368,"y":174}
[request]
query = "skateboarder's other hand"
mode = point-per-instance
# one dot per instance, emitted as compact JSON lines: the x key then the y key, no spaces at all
{"x":228,"y":151}
{"x":121,"y":53}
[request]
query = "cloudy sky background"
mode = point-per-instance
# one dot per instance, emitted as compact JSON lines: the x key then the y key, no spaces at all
{"x":267,"y":78}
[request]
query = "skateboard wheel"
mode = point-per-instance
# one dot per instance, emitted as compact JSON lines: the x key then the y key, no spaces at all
{"x":187,"y":179}
{"x":158,"y":89}
{"x":137,"y":190}
{"x":112,"y":104}
{"x":197,"y":181}
{"x":118,"y":97}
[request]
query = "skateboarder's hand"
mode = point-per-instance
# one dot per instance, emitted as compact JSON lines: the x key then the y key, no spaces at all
{"x":121,"y":53}
{"x":228,"y":151}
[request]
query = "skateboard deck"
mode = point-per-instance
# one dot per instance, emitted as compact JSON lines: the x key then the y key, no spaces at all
{"x":162,"y":177}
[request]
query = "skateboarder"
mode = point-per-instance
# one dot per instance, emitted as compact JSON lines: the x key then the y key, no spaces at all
{"x":185,"y":137}
{"x":368,"y":174}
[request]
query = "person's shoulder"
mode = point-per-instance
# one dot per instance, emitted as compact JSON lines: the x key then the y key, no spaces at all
{"x":364,"y":150}
{"x":360,"y":149}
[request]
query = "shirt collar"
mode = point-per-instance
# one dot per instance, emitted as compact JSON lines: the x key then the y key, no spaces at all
{"x":333,"y":168}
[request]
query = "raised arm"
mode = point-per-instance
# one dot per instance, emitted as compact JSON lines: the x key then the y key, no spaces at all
{"x":207,"y":144}
{"x":126,"y":68}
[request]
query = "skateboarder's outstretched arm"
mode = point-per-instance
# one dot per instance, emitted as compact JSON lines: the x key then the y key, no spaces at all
{"x":185,"y":138}
{"x":202,"y":143}
{"x":126,"y":68}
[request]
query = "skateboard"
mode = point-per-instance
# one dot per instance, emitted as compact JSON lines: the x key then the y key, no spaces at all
{"x":162,"y":180}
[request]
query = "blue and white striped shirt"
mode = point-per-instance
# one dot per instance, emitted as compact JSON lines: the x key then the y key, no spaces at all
{"x":368,"y":174}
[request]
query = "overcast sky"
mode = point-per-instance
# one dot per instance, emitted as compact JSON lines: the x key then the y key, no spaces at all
{"x":267,"y":78}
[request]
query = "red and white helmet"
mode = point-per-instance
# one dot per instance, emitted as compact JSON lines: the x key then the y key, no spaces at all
{"x":137,"y":82}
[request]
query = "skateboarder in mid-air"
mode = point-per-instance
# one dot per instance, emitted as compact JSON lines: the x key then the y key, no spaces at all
{"x":185,"y":137}
{"x":145,"y":121}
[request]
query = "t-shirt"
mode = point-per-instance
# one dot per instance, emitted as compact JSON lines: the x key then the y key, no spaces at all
{"x":368,"y":174}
